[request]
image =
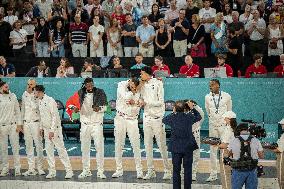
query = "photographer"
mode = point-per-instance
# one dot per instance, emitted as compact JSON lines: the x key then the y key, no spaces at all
{"x":245,"y":151}
{"x":280,"y":158}
{"x":182,"y":142}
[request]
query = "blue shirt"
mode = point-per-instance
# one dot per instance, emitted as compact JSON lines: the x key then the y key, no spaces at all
{"x":144,"y":33}
{"x":8,"y":69}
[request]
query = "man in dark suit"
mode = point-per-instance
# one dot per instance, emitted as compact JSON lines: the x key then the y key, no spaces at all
{"x":39,"y":71}
{"x":182,"y":142}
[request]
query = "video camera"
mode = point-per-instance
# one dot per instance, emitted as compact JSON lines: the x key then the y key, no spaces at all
{"x":255,"y":128}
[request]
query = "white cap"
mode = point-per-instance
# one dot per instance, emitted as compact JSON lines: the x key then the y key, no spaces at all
{"x":281,"y":122}
{"x":229,"y":114}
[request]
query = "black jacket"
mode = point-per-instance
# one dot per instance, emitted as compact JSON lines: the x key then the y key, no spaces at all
{"x":182,"y":139}
{"x":99,"y":97}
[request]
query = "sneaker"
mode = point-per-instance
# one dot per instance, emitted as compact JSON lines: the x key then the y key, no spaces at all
{"x":101,"y":175}
{"x":167,"y":175}
{"x":149,"y":175}
{"x":51,"y":175}
{"x":212,"y":178}
{"x":4,"y":172}
{"x":85,"y":173}
{"x":193,"y":177}
{"x":18,"y":172}
{"x":69,"y":174}
{"x":41,"y":172}
{"x":118,"y":173}
{"x":140,"y":175}
{"x":30,"y":172}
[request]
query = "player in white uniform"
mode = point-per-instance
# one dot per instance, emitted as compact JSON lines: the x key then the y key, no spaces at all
{"x":50,"y":124}
{"x":152,"y":93}
{"x":10,"y":125}
{"x":216,"y":103}
{"x":280,"y":158}
{"x":126,"y":121}
{"x":31,"y":118}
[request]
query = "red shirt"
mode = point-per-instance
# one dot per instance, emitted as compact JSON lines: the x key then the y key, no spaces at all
{"x":120,"y":18}
{"x":280,"y":70}
{"x":190,"y":71}
{"x":229,"y":70}
{"x":163,"y":68}
{"x":257,"y":70}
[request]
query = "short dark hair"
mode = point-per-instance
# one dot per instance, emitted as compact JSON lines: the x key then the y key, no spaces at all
{"x":139,"y":54}
{"x":180,"y":106}
{"x":257,"y":56}
{"x":89,"y":60}
{"x":144,"y":16}
{"x":242,"y":127}
{"x":2,"y":83}
{"x":147,"y":69}
{"x":135,"y":80}
{"x":40,"y":88}
{"x":216,"y":81}
{"x":128,"y":14}
{"x":88,"y":80}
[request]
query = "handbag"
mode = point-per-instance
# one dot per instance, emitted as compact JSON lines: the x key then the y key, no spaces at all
{"x":189,"y":45}
{"x":199,"y":52}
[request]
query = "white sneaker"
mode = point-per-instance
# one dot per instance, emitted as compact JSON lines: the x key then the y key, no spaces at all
{"x":18,"y":172}
{"x":4,"y":172}
{"x":149,"y":175}
{"x":167,"y":175}
{"x":85,"y":173}
{"x":51,"y":175}
{"x":69,"y":174}
{"x":29,"y":172}
{"x":101,"y":175}
{"x":118,"y":173}
{"x":193,"y":177}
{"x":212,"y":178}
{"x":41,"y":172}
{"x":140,"y":175}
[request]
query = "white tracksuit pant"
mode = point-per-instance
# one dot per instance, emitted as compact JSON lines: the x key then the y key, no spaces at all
{"x":87,"y":132}
{"x":196,"y":153}
{"x":154,"y":127}
{"x":58,"y":143}
{"x":214,"y":132}
{"x":9,"y":131}
{"x":31,"y":131}
{"x":280,"y":169}
{"x":123,"y":125}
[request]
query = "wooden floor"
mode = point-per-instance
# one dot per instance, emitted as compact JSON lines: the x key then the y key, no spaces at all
{"x":128,"y":164}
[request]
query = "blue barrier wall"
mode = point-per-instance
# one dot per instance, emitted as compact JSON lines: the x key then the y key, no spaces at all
{"x":251,"y":97}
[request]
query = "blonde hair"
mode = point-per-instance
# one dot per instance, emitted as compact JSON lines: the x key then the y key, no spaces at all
{"x":196,"y":18}
{"x":219,"y":17}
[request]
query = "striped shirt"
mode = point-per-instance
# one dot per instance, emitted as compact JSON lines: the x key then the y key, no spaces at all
{"x":78,"y":32}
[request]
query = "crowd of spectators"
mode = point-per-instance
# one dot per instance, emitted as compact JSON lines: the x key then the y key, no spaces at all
{"x":228,"y":30}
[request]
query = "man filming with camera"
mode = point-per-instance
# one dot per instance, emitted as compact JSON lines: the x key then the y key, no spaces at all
{"x":244,"y":150}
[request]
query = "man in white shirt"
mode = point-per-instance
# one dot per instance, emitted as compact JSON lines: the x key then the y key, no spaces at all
{"x":280,"y":158}
{"x":51,"y":126}
{"x":126,"y":120}
{"x":31,"y":118}
{"x":152,"y":94}
{"x":91,"y":102}
{"x":216,"y":103}
{"x":10,"y":125}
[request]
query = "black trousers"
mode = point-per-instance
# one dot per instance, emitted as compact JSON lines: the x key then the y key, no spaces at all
{"x":177,"y":160}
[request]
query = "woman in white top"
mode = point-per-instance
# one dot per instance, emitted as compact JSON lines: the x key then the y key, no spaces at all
{"x":114,"y":47}
{"x":18,"y":38}
{"x":64,"y":69}
{"x":96,"y":32}
{"x":10,"y":18}
{"x":246,"y":16}
{"x":228,"y":13}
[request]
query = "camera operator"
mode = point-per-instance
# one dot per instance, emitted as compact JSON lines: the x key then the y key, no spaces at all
{"x":245,"y":151}
{"x":280,"y":158}
{"x":182,"y":142}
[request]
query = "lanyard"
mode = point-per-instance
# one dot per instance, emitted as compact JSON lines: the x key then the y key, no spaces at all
{"x":217,"y":103}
